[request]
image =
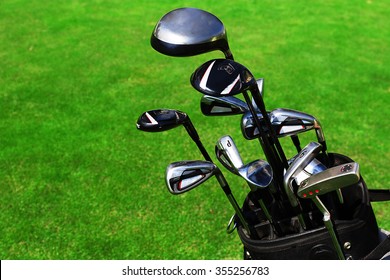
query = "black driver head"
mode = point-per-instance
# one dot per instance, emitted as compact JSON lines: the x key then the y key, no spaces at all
{"x":222,"y":77}
{"x":188,"y":32}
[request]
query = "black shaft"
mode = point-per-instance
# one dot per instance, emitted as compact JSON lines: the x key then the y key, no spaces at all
{"x":268,"y":149}
{"x":274,"y":140}
{"x":195,"y":137}
{"x":297,"y":143}
{"x":221,"y":179}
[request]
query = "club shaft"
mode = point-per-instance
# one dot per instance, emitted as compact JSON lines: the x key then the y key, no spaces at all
{"x":329,"y":226}
{"x":259,"y":202}
{"x":225,"y":187}
{"x":297,"y":143}
{"x":221,"y":179}
{"x":268,"y":149}
{"x":195,"y":137}
{"x":260,"y":104}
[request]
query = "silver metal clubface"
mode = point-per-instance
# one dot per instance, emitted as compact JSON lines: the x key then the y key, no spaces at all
{"x":289,"y":122}
{"x":183,"y":176}
{"x":285,"y":122}
{"x":228,"y":154}
{"x":258,"y":173}
{"x":315,"y":166}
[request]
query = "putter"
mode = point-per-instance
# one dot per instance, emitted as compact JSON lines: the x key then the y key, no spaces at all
{"x":185,"y":175}
{"x":324,"y":182}
{"x":189,"y":32}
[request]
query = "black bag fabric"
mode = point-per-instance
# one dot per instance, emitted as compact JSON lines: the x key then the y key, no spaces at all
{"x":354,"y":221}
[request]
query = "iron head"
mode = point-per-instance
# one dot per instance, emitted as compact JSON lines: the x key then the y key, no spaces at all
{"x":258,"y":173}
{"x":228,"y":154}
{"x":183,"y":176}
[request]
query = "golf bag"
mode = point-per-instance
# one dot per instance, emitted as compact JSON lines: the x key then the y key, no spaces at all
{"x":354,"y":221}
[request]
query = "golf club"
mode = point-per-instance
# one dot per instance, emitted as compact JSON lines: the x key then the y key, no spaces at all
{"x":188,"y":32}
{"x":329,"y":180}
{"x":166,"y":119}
{"x":226,"y":105}
{"x":185,"y":175}
{"x":289,"y":122}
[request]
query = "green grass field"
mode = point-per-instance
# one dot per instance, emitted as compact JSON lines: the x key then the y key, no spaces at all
{"x":78,"y":181}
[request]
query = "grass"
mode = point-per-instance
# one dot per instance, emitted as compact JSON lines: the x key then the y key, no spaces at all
{"x":78,"y":181}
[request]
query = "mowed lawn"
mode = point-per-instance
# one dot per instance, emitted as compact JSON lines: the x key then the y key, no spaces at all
{"x":79,"y":181}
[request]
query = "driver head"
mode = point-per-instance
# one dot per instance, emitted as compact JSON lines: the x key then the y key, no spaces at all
{"x":188,"y":32}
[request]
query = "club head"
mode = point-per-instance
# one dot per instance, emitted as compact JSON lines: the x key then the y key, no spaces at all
{"x":314,"y":167}
{"x":248,"y":127}
{"x":222,"y":77}
{"x":304,"y":157}
{"x":329,"y":180}
{"x":258,"y":173}
{"x":188,"y":32}
{"x":183,"y":176}
{"x":287,"y":122}
{"x":228,"y":154}
{"x":222,"y":106}
{"x":161,"y":120}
